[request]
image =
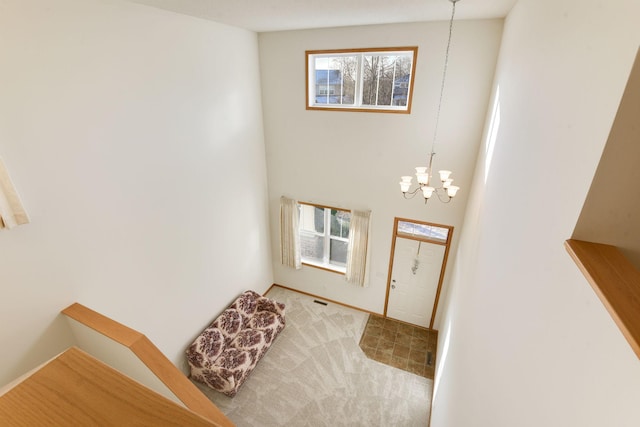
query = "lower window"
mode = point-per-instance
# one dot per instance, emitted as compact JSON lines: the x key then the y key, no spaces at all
{"x":324,"y":236}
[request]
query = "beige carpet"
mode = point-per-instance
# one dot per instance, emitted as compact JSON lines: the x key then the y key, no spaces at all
{"x":315,"y":374}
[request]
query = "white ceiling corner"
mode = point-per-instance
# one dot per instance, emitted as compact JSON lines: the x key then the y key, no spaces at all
{"x":279,"y":15}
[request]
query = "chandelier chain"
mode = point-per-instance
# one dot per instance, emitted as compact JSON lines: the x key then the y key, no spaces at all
{"x":445,"y":191}
{"x":444,"y":76}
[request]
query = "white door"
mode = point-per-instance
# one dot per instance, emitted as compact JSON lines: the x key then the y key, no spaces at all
{"x":415,"y":275}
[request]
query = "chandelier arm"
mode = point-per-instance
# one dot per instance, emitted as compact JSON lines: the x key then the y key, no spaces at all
{"x":440,"y":192}
{"x":412,"y":194}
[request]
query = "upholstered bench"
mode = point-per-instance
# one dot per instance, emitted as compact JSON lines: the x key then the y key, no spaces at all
{"x":226,"y":352}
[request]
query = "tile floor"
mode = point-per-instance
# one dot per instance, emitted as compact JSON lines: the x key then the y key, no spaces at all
{"x":401,"y":345}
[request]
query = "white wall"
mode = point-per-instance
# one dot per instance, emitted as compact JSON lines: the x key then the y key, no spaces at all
{"x":525,"y":341}
{"x":618,"y":169}
{"x":119,"y":357}
{"x":134,"y":137}
{"x":355,"y":160}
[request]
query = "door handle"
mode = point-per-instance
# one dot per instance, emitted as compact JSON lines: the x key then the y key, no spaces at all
{"x":393,"y":286}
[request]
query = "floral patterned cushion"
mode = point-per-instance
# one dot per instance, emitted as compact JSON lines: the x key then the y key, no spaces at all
{"x":229,"y":323}
{"x":226,"y":352}
{"x":206,"y":348}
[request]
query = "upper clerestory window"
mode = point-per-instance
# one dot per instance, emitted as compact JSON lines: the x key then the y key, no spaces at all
{"x":378,"y":80}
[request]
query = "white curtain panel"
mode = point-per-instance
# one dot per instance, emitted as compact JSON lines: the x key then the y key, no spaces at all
{"x":11,"y":211}
{"x":289,"y":237}
{"x":358,"y":247}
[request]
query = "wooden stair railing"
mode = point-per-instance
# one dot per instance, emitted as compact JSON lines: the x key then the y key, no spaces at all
{"x":154,"y":360}
{"x":75,"y":388}
{"x":616,"y":282}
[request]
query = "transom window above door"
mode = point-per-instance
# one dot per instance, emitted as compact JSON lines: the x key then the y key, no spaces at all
{"x":424,"y":231}
{"x":378,"y":80}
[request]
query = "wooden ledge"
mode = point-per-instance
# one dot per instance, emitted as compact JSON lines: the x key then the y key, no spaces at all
{"x":75,"y":388}
{"x":153,"y":358}
{"x":616,"y":282}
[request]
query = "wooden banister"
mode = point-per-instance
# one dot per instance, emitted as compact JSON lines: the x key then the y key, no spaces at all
{"x":75,"y":388}
{"x":153,"y":358}
{"x":616,"y":282}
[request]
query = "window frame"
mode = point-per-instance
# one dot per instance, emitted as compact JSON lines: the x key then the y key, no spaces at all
{"x":424,"y":231}
{"x":310,"y":80}
{"x":327,"y":237}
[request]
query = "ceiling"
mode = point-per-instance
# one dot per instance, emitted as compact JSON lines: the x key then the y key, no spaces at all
{"x":278,"y":15}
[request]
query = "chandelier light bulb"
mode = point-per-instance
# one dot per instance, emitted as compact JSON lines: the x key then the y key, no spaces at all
{"x":422,"y":176}
{"x":444,"y":175}
{"x":452,"y":190}
{"x":447,"y":183}
{"x":404,"y":186}
{"x":427,"y":191}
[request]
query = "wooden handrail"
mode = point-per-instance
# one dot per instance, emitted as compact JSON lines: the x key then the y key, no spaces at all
{"x":616,"y":282}
{"x":75,"y":388}
{"x":153,"y":358}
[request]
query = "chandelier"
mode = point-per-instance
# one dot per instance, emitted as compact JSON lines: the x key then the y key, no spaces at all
{"x":445,"y":191}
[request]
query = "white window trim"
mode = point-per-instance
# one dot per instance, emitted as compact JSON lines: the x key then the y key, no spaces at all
{"x":326,"y":263}
{"x":357,"y":106}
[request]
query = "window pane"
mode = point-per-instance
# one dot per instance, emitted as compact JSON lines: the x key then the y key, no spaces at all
{"x":338,"y":252}
{"x":340,"y":221}
{"x":376,"y":86}
{"x":311,"y":246}
{"x":324,"y":246}
{"x":311,"y":218}
{"x":402,"y":79}
{"x":347,"y":66}
{"x":370,"y":79}
{"x":383,"y":75}
{"x":335,"y":80}
{"x":431,"y":232}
